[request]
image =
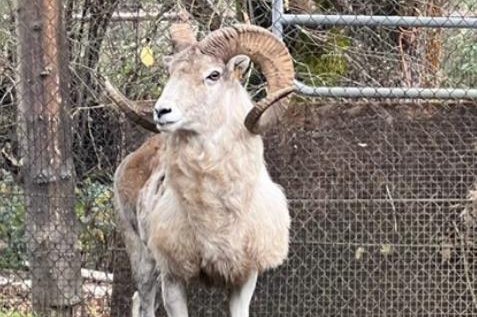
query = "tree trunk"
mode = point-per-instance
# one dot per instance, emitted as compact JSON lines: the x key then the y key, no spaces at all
{"x":123,"y":283}
{"x":45,"y":145}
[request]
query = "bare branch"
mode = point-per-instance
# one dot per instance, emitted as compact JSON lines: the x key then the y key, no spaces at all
{"x":137,"y":16}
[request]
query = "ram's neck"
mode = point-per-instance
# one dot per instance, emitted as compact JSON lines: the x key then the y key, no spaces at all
{"x":220,"y":173}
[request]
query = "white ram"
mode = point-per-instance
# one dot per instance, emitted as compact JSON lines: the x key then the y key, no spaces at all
{"x":196,"y":202}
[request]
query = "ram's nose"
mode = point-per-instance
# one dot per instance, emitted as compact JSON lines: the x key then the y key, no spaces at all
{"x":162,"y":111}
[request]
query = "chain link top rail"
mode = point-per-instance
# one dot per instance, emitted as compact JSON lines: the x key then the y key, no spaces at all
{"x":280,"y":19}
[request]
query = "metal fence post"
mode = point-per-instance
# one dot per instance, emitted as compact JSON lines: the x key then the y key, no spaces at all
{"x":277,"y":12}
{"x":281,"y":19}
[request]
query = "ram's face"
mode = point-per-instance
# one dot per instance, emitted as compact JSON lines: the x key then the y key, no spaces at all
{"x":196,"y":96}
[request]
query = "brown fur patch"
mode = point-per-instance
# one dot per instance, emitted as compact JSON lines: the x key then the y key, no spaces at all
{"x":137,"y":168}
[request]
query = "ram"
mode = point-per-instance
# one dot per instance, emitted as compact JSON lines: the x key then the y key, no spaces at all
{"x":196,"y":201}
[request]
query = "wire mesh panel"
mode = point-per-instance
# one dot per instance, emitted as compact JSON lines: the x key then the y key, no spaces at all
{"x":382,"y":229}
{"x":406,"y":44}
{"x":382,"y":195}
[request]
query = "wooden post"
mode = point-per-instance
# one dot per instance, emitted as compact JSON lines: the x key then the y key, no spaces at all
{"x":45,"y":142}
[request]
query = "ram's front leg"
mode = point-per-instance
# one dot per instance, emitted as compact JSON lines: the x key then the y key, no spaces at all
{"x":174,"y":296}
{"x":145,"y":274}
{"x":147,"y":286}
{"x":241,"y":297}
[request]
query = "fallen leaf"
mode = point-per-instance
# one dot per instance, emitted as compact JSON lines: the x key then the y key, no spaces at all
{"x":147,"y":56}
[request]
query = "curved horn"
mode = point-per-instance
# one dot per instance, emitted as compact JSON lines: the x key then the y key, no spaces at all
{"x":139,"y":112}
{"x":274,"y":60}
{"x":182,"y":35}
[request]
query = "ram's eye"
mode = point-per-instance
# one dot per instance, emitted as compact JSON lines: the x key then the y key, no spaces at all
{"x":214,"y":76}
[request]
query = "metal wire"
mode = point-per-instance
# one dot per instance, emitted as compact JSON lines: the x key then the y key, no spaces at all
{"x":280,"y":19}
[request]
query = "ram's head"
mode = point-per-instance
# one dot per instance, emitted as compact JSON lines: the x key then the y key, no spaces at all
{"x":204,"y":82}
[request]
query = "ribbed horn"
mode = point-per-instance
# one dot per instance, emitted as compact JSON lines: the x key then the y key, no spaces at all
{"x":274,"y":60}
{"x":139,"y":112}
{"x":182,"y":35}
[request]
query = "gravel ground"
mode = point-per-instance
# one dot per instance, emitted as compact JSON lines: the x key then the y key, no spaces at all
{"x":15,"y":296}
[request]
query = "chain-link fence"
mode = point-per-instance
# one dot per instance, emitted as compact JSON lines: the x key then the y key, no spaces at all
{"x":381,"y":192}
{"x":408,"y":37}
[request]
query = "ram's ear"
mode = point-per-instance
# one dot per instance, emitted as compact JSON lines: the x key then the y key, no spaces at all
{"x":238,"y":65}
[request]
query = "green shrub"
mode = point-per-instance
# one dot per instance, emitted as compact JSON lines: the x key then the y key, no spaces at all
{"x":13,"y":313}
{"x":324,"y":61}
{"x":12,"y":223}
{"x":95,"y":211}
{"x":93,"y":208}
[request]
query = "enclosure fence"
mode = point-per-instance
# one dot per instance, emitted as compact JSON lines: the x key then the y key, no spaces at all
{"x":382,"y":184}
{"x":281,"y":19}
